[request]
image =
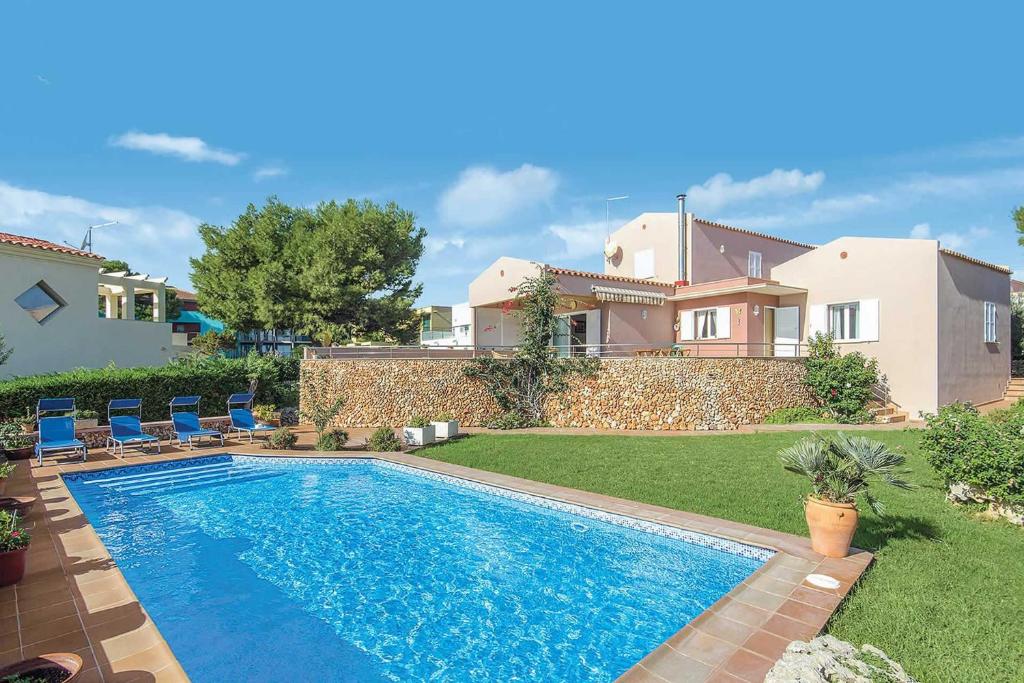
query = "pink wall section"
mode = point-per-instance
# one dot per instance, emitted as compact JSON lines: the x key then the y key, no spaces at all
{"x":708,"y":261}
{"x":745,"y":328}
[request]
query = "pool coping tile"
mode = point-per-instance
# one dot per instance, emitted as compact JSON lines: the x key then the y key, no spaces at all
{"x":74,"y":597}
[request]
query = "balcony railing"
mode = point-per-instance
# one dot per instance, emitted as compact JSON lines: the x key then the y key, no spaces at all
{"x":715,"y":349}
{"x":433,"y":335}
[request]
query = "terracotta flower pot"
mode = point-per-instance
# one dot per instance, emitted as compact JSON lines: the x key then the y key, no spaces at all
{"x":69,"y":662}
{"x":12,"y":566}
{"x":22,"y":453}
{"x":3,"y":485}
{"x":832,"y":526}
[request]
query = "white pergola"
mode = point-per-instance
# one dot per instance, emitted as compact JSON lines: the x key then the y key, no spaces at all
{"x":119,"y":290}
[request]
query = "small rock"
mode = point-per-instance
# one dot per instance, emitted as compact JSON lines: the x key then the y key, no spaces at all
{"x":827,"y":659}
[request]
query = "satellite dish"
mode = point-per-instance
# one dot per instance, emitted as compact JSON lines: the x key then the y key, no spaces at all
{"x":611,"y":248}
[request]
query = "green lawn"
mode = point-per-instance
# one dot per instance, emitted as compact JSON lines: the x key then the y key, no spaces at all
{"x":945,"y":596}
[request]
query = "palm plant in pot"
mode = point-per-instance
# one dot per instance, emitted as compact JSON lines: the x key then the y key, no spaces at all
{"x":14,"y":542}
{"x":841,"y":468}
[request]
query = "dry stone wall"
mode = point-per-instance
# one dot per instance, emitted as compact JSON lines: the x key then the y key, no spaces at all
{"x":628,"y":393}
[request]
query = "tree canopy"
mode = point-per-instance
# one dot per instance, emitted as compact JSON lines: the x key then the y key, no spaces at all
{"x":344,"y":267}
{"x":1018,"y":218}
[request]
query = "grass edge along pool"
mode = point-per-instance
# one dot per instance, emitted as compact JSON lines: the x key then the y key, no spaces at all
{"x":504,"y":554}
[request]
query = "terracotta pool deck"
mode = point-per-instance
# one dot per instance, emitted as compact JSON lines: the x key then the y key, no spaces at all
{"x":75,"y":599}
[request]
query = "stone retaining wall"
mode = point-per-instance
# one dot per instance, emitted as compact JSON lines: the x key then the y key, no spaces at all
{"x":628,"y":393}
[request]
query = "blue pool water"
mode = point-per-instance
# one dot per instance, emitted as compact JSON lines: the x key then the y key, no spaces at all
{"x":280,"y":569}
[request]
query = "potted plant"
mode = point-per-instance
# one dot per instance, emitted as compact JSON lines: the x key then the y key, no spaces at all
{"x":15,"y":443}
{"x":6,"y":468}
{"x":87,"y":419}
{"x":14,"y":542}
{"x":445,"y":427}
{"x":58,"y":667}
{"x":266,"y":414}
{"x":419,"y":432}
{"x":840,"y":468}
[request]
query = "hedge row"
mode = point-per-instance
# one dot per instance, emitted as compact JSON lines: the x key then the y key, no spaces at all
{"x":213,"y":379}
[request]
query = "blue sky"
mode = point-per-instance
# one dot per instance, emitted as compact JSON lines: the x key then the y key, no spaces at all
{"x":505,"y":127}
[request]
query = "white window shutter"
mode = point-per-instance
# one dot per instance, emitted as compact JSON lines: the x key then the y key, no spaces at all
{"x":643,"y":264}
{"x":723,"y":323}
{"x":868,"y":320}
{"x":817,"y":320}
{"x":594,"y":327}
{"x":686,"y":325}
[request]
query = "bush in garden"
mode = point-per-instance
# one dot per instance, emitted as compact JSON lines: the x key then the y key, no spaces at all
{"x":842,"y":383}
{"x":383,"y":440}
{"x":984,"y":452}
{"x":332,"y":440}
{"x":796,"y":415}
{"x":281,"y":439}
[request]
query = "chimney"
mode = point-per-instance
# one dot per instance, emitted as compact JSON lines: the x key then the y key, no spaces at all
{"x":681,"y":280}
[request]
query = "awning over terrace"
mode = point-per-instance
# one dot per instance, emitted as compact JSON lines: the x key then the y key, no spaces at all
{"x":628,"y":296}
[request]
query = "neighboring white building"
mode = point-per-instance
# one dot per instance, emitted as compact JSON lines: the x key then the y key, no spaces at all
{"x":447,"y":325}
{"x":49,"y":311}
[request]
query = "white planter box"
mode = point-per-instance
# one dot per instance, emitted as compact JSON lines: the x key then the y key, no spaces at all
{"x":418,"y":436}
{"x":446,"y":429}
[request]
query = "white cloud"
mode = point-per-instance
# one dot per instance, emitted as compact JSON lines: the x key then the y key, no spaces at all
{"x":818,"y":211}
{"x":582,"y":240}
{"x":265,"y":172}
{"x":921,"y":231}
{"x":720,"y":189}
{"x":435,"y":245}
{"x":152,"y":239}
{"x":484,"y":196}
{"x":187,"y":148}
{"x":950,"y":239}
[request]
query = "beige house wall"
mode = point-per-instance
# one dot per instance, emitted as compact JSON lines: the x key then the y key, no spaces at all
{"x":903,"y":275}
{"x":969,"y":368}
{"x":75,"y":336}
{"x":718,"y":253}
{"x":657,"y":231}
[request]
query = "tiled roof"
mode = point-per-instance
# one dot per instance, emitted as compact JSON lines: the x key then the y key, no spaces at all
{"x":753,"y":233}
{"x":35,"y":243}
{"x":602,"y":276}
{"x":976,"y":261}
{"x":1016,"y":286}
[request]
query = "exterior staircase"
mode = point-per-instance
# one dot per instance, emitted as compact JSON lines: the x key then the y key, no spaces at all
{"x":1014,"y":389}
{"x":889,"y":413}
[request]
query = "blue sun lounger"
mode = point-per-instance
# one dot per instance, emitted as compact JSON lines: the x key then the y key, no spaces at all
{"x":57,"y":432}
{"x":242,"y":419}
{"x":186,"y":422}
{"x":126,"y":429}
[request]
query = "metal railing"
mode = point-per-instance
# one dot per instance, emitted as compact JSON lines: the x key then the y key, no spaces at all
{"x":695,"y":349}
{"x":437,"y":334}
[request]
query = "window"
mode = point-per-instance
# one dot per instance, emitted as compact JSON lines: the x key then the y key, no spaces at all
{"x":39,"y":301}
{"x":706,"y":322}
{"x":844,"y":321}
{"x":991,"y":319}
{"x":643,"y":264}
{"x":754,"y":264}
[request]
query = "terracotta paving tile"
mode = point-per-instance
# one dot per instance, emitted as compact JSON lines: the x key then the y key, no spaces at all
{"x":770,"y":584}
{"x":10,"y":656}
{"x":767,"y":644}
{"x":790,"y":628}
{"x":10,"y":641}
{"x":122,"y":638}
{"x":724,"y":629}
{"x":8,"y":625}
{"x":152,"y":658}
{"x":748,"y":666}
{"x":69,"y":642}
{"x":801,"y":611}
{"x":743,"y":613}
{"x":813,"y":597}
{"x":720,"y":676}
{"x":674,"y":666}
{"x":757,"y":598}
{"x":47,"y":630}
{"x":638,"y":674}
{"x":703,"y":647}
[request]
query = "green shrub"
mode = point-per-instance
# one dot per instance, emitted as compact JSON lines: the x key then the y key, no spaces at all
{"x":212,"y":378}
{"x":281,"y":439}
{"x":444,"y":417}
{"x":418,"y":422}
{"x":796,"y":415}
{"x":383,"y":440}
{"x":842,"y":383}
{"x":988,"y":453}
{"x":511,"y":420}
{"x":333,"y":440}
{"x":12,"y":436}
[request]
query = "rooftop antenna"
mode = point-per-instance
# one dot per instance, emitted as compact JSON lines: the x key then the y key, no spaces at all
{"x":608,"y":213}
{"x":87,"y":240}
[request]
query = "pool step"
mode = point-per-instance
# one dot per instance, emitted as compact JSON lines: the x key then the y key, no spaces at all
{"x":183,"y":478}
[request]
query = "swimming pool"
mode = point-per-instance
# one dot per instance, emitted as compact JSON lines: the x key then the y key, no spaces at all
{"x":263,"y":568}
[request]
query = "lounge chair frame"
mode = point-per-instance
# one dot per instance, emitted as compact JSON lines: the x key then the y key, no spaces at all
{"x":66,"y":422}
{"x":240,"y":407}
{"x":142,"y":440}
{"x":192,"y":435}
